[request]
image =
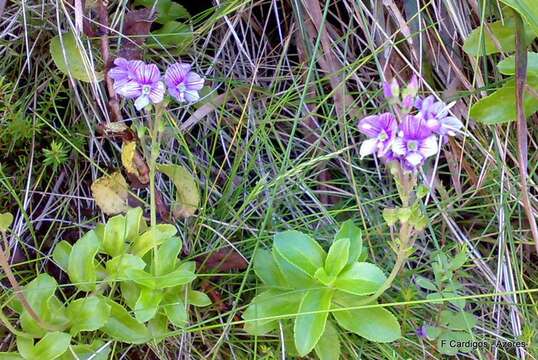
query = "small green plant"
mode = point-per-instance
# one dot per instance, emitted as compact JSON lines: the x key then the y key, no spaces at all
{"x":303,"y":284}
{"x":119,"y":269}
{"x":452,"y":327}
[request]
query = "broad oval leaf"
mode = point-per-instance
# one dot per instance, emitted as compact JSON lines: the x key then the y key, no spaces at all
{"x":175,"y":308}
{"x":197,"y":298}
{"x":460,"y":320}
{"x":5,"y":221}
{"x":187,"y":192}
{"x":167,"y":256}
{"x":97,"y":350}
{"x":480,"y":43}
{"x":500,"y":106}
{"x":147,"y":304}
{"x":123,"y":327}
{"x":154,"y":236}
{"x":110,"y":193}
{"x":508,"y":65}
{"x":309,"y":327}
{"x":184,"y":274}
{"x":87,"y":314}
{"x":61,"y":254}
{"x":528,"y":11}
{"x":328,"y":346}
{"x":81,"y":267}
{"x":114,"y":235}
{"x":350,"y":231}
{"x":50,"y":347}
{"x":135,"y":223}
{"x":260,"y":313}
{"x":295,"y":278}
{"x":267,"y":269}
{"x":337,"y":257}
{"x":300,"y":250}
{"x":118,"y":267}
{"x":374,"y":324}
{"x":173,"y":34}
{"x":167,"y":10}
{"x":127,"y":157}
{"x":69,"y":57}
{"x":453,"y":342}
{"x":361,"y":278}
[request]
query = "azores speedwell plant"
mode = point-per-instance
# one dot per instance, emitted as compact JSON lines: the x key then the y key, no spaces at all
{"x":128,"y":284}
{"x":312,"y":290}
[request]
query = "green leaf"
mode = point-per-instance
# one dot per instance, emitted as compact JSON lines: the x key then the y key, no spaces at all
{"x":460,"y":320}
{"x":129,"y":292}
{"x":499,"y":107}
{"x":87,"y":314}
{"x":528,"y":11}
{"x":135,"y":223}
{"x":167,"y":256}
{"x":187,"y":192}
{"x":158,"y":327}
{"x":480,"y":43}
{"x":374,"y":324}
{"x":147,"y":304}
{"x":425,"y":283}
{"x":390,"y":216}
{"x":271,"y":303}
{"x":350,"y":231}
{"x":508,"y":65}
{"x":81,"y":267}
{"x":95,"y":351}
{"x":167,"y":10}
{"x":141,"y":277}
{"x":295,"y":278}
{"x":300,"y":250}
{"x":10,"y":356}
{"x":184,"y":274}
{"x":5,"y":221}
{"x":197,"y":298}
{"x":61,"y":254}
{"x":118,"y":267}
{"x":459,"y":260}
{"x":153,"y":237}
{"x":308,"y":328}
{"x":337,"y":257}
{"x":69,"y":58}
{"x":452,"y":342}
{"x":267,"y":269}
{"x":50,"y":347}
{"x":432,"y":332}
{"x":322,"y":276}
{"x":123,"y":327}
{"x":114,"y":236}
{"x":360,"y":279}
{"x":328,"y":346}
{"x":175,"y":309}
{"x":459,"y":303}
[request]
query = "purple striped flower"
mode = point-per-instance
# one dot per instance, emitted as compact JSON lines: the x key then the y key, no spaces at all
{"x":183,"y":84}
{"x":437,"y":117}
{"x":415,"y":142}
{"x":137,"y":80}
{"x":381,"y":130}
{"x":391,"y":91}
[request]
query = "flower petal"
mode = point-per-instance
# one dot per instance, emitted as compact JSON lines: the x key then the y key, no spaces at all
{"x":368,"y":147}
{"x":414,"y":158}
{"x":176,"y":73}
{"x":148,"y":74}
{"x":414,"y":127}
{"x":369,"y":126}
{"x":141,"y":102}
{"x":156,"y":94}
{"x":128,"y":89}
{"x":450,"y":125}
{"x":428,"y":147}
{"x":193,"y":81}
{"x":191,"y":95}
{"x":398,"y":146}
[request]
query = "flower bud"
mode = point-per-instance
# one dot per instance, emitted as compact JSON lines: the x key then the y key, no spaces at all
{"x":391,"y":91}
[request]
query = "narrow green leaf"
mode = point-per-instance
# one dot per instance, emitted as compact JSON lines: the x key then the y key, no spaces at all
{"x":267,"y":269}
{"x":374,"y":324}
{"x":268,"y":304}
{"x":123,"y":327}
{"x":153,"y":237}
{"x":350,"y":231}
{"x":361,"y":278}
{"x":87,"y":314}
{"x":338,"y":256}
{"x":308,"y":328}
{"x":328,"y":346}
{"x":70,"y":59}
{"x":81,"y":267}
{"x":147,"y":304}
{"x":300,"y":250}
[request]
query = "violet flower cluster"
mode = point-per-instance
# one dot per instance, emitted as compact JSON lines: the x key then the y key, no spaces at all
{"x":134,"y":79}
{"x":413,"y":132}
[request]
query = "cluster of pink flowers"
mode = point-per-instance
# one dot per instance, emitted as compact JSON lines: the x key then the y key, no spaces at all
{"x":413,"y":132}
{"x":134,"y":79}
